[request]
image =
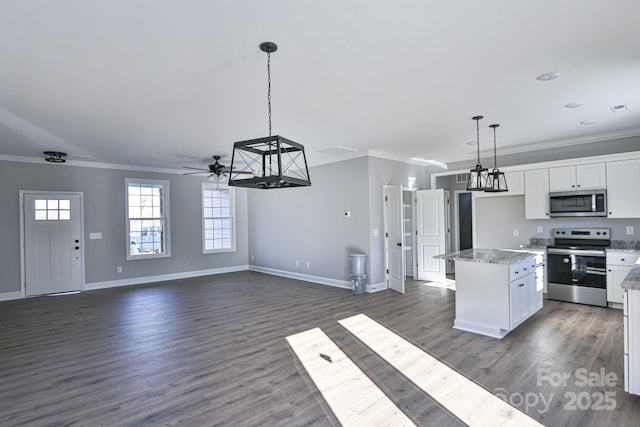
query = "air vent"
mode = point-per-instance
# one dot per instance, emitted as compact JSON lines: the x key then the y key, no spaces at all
{"x":462,"y":178}
{"x":620,"y":107}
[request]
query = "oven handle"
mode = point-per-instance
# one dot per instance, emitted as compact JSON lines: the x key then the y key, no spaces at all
{"x":556,"y":251}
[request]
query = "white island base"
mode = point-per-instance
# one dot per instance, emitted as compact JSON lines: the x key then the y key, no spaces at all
{"x":494,"y":298}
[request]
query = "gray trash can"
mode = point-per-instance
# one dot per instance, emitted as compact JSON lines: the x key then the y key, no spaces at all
{"x":358,"y":273}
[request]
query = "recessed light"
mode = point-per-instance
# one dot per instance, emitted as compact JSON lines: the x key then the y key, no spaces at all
{"x":548,"y":76}
{"x":588,"y":122}
{"x":619,"y":107}
{"x":575,"y":104}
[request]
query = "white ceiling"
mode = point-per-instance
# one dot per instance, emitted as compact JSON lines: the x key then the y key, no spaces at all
{"x":165,"y":83}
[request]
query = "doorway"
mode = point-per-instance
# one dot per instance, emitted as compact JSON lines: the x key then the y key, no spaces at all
{"x":52,"y":242}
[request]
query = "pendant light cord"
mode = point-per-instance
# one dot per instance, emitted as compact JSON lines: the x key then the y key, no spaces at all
{"x":269,"y":87}
{"x":478,"y":138}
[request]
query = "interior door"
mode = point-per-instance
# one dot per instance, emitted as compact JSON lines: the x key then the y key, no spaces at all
{"x":431,"y":234}
{"x":52,"y":243}
{"x":394,"y":238}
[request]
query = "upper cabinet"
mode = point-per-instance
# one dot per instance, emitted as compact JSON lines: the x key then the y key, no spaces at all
{"x":590,"y":176}
{"x":536,"y":193}
{"x":622,"y":189}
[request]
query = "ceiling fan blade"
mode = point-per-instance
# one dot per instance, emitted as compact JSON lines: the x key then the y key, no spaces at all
{"x":194,"y":173}
{"x":242,"y":173}
{"x":198,"y":169}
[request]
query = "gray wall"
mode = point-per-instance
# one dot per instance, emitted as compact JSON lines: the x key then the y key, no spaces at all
{"x":497,"y":217}
{"x":307,"y":224}
{"x":104,"y":211}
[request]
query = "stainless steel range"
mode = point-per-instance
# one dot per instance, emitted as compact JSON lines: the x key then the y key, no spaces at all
{"x":576,"y":265}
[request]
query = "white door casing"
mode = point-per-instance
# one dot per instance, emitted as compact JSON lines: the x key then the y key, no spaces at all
{"x":53,"y":258}
{"x":394,"y":229}
{"x":431,"y":234}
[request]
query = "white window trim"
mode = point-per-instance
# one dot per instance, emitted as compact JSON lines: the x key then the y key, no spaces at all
{"x":232,"y":208}
{"x":166,"y":217}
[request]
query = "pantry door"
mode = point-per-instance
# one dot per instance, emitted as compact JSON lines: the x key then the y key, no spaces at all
{"x":53,"y":244}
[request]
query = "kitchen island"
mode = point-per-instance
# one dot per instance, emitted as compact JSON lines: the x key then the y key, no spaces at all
{"x":496,"y":290}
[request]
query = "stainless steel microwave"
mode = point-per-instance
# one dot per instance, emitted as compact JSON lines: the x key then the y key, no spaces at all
{"x":578,"y":203}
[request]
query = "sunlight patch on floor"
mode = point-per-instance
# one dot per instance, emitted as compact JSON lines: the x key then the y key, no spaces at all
{"x":353,"y":397}
{"x":465,"y":399}
{"x":446,"y":283}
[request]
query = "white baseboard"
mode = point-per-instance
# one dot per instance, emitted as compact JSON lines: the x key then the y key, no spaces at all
{"x":305,"y":277}
{"x":6,"y":296}
{"x":162,"y":277}
{"x":377,"y":287}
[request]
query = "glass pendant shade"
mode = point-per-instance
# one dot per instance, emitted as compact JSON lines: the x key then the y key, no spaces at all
{"x":496,"y":180}
{"x":477,"y":176}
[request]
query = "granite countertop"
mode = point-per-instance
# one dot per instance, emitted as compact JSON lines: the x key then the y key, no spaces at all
{"x":624,"y":246}
{"x":632,"y":281}
{"x":493,"y":256}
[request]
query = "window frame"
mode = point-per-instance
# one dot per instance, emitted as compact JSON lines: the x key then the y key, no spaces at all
{"x":165,"y":219}
{"x":207,"y":186}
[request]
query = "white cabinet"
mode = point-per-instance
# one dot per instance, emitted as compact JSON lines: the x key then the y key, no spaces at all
{"x":632,"y":341}
{"x":622,"y":189}
{"x":618,"y":266}
{"x":590,"y":176}
{"x":493,"y":299}
{"x":536,"y":193}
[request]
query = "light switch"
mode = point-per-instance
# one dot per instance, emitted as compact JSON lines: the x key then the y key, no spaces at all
{"x":94,"y":236}
{"x":347,"y":214}
{"x":540,"y":229}
{"x":516,"y":232}
{"x":376,"y":232}
{"x":630,"y":229}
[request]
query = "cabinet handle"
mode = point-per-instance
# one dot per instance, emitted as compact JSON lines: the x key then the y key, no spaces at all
{"x":521,"y":285}
{"x":622,"y":259}
{"x":609,"y":270}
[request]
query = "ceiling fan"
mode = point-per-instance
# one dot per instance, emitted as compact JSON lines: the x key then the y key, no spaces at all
{"x":216,"y":170}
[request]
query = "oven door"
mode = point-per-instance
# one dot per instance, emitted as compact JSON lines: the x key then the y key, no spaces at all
{"x":577,"y":268}
{"x":577,"y":277}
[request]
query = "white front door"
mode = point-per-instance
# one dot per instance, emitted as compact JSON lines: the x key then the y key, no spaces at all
{"x":394,"y":237}
{"x":52,"y":243}
{"x":431,"y":234}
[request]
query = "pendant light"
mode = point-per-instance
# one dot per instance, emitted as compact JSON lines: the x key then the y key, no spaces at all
{"x":478,"y":175}
{"x":496,"y":181}
{"x":271,"y":161}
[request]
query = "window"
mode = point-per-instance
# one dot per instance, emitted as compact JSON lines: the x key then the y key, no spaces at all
{"x":147,"y":218}
{"x":53,"y":209}
{"x":218,"y":219}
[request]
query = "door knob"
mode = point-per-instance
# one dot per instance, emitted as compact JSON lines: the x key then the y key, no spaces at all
{"x":399,"y":244}
{"x":77,"y":247}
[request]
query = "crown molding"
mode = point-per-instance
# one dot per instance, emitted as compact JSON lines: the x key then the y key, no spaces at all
{"x":86,"y":164}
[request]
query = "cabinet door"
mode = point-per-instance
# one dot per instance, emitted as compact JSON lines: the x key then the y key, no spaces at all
{"x":615,"y":277}
{"x":562,"y":178}
{"x":622,"y":192}
{"x":518,"y":301}
{"x":534,"y":293}
{"x":591,"y":176}
{"x":536,"y":193}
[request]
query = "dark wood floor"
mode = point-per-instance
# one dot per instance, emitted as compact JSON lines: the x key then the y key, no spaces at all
{"x":212,"y":351}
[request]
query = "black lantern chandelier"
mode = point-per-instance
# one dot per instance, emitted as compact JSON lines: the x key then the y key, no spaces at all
{"x":271,"y":161}
{"x":496,"y":181}
{"x":477,"y":176}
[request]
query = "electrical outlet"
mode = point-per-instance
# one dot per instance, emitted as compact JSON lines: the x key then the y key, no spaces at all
{"x":516,"y":232}
{"x":252,"y":257}
{"x":540,"y":229}
{"x":630,"y":229}
{"x":308,"y":264}
{"x":119,"y":269}
{"x":297,"y":263}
